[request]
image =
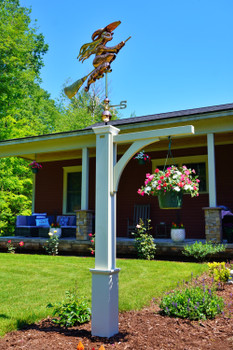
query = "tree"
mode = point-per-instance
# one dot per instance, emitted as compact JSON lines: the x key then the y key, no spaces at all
{"x":25,"y":108}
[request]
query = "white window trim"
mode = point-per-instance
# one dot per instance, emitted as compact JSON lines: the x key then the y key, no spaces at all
{"x":66,"y":171}
{"x":183,"y":160}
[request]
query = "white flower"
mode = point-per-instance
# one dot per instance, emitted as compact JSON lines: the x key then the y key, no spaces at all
{"x":154,"y":184}
{"x":138,"y":226}
{"x":50,"y":234}
{"x":177,"y":188}
{"x":148,"y":189}
{"x":187,"y":187}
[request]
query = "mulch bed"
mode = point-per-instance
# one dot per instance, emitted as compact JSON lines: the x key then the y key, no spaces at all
{"x":145,"y":329}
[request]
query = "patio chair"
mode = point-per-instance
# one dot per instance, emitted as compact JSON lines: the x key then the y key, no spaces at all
{"x":141,"y":211}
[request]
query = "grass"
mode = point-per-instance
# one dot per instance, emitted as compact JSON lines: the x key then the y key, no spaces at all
{"x":29,"y":282}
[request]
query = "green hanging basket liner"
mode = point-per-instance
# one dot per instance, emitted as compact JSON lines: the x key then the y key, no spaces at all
{"x":141,"y":161}
{"x":170,"y":200}
{"x":34,"y":170}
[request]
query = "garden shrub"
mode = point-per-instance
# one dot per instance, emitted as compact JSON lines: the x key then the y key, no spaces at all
{"x":144,"y":242}
{"x":71,"y":311}
{"x":220,"y":272}
{"x":194,"y":303}
{"x":203,"y":251}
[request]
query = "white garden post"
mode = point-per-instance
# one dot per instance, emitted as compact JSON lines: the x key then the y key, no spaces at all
{"x":105,"y":273}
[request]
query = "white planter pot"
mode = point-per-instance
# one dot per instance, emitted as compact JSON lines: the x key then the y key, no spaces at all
{"x":178,"y":234}
{"x":56,"y":231}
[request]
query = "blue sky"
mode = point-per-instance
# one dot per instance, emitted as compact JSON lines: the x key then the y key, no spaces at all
{"x":180,"y":55}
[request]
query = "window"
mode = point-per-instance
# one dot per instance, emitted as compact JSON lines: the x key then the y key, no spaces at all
{"x":198,"y":163}
{"x":72,"y":184}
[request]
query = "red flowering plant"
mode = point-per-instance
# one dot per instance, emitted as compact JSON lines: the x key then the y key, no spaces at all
{"x":142,"y":156}
{"x":174,"y":179}
{"x":35,"y":165}
{"x":92,"y":239}
{"x":177,"y":226}
{"x":55,"y":225}
{"x":11,"y":247}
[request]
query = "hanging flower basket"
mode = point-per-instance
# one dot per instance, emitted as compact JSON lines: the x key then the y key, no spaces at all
{"x":142,"y":158}
{"x":170,"y":184}
{"x":170,"y":200}
{"x":35,"y":167}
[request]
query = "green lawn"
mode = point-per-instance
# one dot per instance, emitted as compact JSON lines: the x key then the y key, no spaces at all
{"x":29,"y":282}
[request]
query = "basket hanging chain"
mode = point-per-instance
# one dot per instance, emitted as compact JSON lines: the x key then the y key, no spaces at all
{"x":169,"y":154}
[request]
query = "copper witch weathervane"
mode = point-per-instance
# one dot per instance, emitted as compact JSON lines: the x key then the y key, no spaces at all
{"x":104,"y":56}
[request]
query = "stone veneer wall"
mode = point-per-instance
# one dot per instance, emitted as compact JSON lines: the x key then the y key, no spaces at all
{"x":213,"y":224}
{"x":84,"y":223}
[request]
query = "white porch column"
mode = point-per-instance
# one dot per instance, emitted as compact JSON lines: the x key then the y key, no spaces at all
{"x":105,"y":274}
{"x":85,"y":179}
{"x":211,"y":170}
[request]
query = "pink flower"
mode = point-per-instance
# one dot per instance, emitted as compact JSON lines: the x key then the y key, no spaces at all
{"x":157,"y":170}
{"x":92,"y":240}
{"x":21,"y":244}
{"x":90,"y":235}
{"x":150,"y":178}
{"x":159,"y":187}
{"x":146,"y":181}
{"x":159,"y":181}
{"x":92,"y":252}
{"x":187,"y":172}
{"x":148,"y":175}
{"x":141,"y":192}
{"x":161,"y":177}
{"x":198,"y":180}
{"x":9,"y":241}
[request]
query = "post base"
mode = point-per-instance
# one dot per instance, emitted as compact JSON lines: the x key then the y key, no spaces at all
{"x":104,"y":302}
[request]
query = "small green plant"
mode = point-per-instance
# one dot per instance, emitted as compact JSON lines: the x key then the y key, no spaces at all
{"x":194,"y":303}
{"x":203,"y":251}
{"x":51,"y":245}
{"x":144,"y":242}
{"x":71,"y":311}
{"x":219,"y":272}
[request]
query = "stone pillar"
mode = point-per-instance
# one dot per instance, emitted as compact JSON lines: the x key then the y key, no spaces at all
{"x":213,"y":224}
{"x":84,"y":224}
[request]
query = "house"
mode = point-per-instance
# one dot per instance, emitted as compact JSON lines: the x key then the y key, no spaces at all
{"x":66,"y":183}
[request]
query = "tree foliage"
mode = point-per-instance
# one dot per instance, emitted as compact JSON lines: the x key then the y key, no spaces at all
{"x":82,"y":110}
{"x":25,"y":108}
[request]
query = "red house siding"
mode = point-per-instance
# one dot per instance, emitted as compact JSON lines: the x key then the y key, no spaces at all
{"x":49,"y":186}
{"x":224,"y":175}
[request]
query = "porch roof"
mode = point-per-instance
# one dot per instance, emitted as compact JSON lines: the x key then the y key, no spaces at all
{"x":69,"y":144}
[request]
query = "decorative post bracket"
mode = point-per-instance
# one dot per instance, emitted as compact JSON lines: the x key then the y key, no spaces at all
{"x":140,"y":140}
